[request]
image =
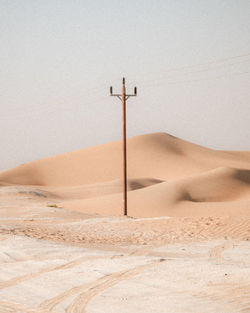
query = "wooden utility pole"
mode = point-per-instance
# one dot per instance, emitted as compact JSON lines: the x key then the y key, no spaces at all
{"x":123,"y":97}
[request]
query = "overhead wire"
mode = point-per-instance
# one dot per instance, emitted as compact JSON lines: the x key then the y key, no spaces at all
{"x":157,"y":80}
{"x":202,"y":79}
{"x":180,"y":68}
{"x":99,"y":90}
{"x":182,"y":71}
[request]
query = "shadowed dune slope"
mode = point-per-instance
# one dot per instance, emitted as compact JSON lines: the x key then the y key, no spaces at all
{"x":57,"y":193}
{"x":159,"y":155}
{"x":98,"y":189}
{"x":219,"y":192}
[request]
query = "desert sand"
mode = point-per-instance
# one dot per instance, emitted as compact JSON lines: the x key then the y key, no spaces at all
{"x":184,"y":247}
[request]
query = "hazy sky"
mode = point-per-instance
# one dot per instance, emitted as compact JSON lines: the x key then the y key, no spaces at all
{"x":190,"y":60}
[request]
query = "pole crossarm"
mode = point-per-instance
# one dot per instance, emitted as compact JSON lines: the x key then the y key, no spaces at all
{"x":120,"y":95}
{"x":124,"y":97}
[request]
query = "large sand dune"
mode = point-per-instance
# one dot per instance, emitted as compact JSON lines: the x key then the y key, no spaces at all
{"x":167,"y":177}
{"x":158,"y":155}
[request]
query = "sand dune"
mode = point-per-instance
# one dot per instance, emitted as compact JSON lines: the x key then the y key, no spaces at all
{"x":167,"y":177}
{"x":219,"y":192}
{"x":158,"y":155}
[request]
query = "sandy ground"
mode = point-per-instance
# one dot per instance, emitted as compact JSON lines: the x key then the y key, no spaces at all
{"x":53,"y":261}
{"x":46,"y":276}
{"x":185,"y":247}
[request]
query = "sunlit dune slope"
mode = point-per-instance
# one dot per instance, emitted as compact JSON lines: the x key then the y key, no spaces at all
{"x":159,"y":155}
{"x":219,"y":192}
{"x":242,"y":154}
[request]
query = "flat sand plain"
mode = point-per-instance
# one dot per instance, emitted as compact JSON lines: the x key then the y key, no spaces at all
{"x":185,"y":246}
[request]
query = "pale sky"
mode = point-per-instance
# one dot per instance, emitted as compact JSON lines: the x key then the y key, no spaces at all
{"x":190,"y":60}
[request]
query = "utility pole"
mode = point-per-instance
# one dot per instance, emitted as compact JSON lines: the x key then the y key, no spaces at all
{"x":124,"y":97}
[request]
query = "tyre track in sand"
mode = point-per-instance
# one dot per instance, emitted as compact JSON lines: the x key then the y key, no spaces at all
{"x":235,"y":293}
{"x":17,"y":280}
{"x":84,"y":289}
{"x":50,"y":304}
{"x":80,"y":303}
{"x":217,"y":251}
{"x":10,"y":307}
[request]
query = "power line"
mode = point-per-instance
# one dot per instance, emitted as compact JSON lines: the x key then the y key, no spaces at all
{"x":194,"y":80}
{"x":196,"y":71}
{"x":187,"y":67}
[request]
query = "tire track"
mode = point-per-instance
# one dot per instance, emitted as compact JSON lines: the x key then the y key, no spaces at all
{"x":142,"y":251}
{"x":235,"y":293}
{"x":10,"y":307}
{"x":216,"y":252}
{"x":50,"y":304}
{"x":80,"y":303}
{"x":17,"y":280}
